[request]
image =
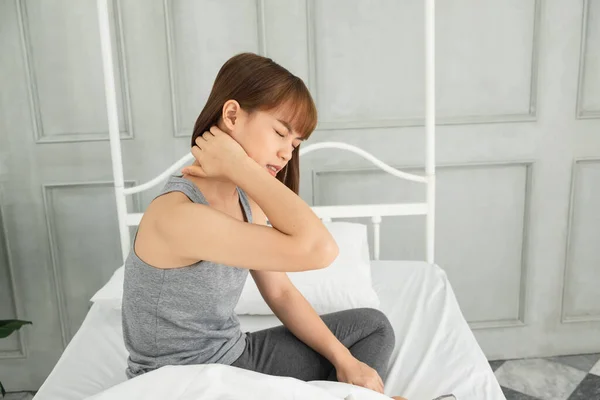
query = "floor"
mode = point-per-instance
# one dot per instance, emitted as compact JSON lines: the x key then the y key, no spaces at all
{"x":18,"y":396}
{"x":556,"y":378}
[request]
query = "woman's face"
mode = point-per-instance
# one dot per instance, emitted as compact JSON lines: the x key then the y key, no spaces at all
{"x":266,"y":137}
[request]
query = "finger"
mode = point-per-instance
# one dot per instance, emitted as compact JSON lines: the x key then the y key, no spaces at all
{"x":197,"y":172}
{"x":197,"y":152}
{"x":207,"y":135}
{"x":200,"y":140}
{"x":194,"y":170}
{"x":215,"y":130}
{"x":374,"y":387}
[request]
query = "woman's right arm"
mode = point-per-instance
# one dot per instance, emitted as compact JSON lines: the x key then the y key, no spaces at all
{"x":298,"y":240}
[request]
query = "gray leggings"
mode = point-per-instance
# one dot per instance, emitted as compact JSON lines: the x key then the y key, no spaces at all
{"x":366,"y":332}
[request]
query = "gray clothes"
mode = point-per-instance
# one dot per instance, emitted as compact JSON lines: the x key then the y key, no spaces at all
{"x":366,"y":332}
{"x":186,"y":316}
{"x":183,"y":315}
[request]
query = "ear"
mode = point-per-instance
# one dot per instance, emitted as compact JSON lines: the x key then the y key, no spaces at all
{"x":231,"y":112}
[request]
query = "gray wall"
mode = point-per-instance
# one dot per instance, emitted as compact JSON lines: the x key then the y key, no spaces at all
{"x":518,"y":147}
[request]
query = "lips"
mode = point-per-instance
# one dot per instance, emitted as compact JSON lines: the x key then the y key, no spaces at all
{"x":273,"y":169}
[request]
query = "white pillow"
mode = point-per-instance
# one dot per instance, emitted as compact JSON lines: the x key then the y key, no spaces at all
{"x":345,"y":284}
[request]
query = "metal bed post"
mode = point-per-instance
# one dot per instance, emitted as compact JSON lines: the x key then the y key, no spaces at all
{"x":430,"y":125}
{"x":113,"y":125}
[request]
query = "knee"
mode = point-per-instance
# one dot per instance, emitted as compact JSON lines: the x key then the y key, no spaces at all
{"x":380,"y":324}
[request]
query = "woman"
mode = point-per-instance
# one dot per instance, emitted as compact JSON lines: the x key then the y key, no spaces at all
{"x":206,"y":230}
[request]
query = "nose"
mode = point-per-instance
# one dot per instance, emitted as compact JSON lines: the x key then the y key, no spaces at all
{"x":285,"y":154}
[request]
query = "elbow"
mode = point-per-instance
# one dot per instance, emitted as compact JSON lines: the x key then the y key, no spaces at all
{"x":329,"y":253}
{"x":315,"y":252}
{"x":323,"y":253}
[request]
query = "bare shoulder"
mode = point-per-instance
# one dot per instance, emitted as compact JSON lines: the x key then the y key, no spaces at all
{"x":149,"y":244}
{"x":160,"y":206}
{"x":168,"y":199}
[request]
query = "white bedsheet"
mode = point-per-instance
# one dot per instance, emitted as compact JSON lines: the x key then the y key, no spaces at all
{"x":436,"y":352}
{"x":214,"y":382}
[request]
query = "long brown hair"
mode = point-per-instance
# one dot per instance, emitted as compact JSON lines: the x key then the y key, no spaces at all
{"x":259,"y":84}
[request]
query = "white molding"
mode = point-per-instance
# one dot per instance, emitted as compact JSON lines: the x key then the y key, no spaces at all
{"x":495,"y":324}
{"x":521,"y":318}
{"x":22,"y":352}
{"x":33,"y":93}
{"x":581,"y":113}
{"x":535,"y":61}
{"x":530,"y":115}
{"x":123,"y":72}
{"x":565,"y":320}
{"x":54,"y":251}
{"x":178,"y":131}
{"x":568,"y":262}
{"x":172,"y":75}
{"x":311,"y":52}
{"x":408,"y":167}
{"x":416,"y":122}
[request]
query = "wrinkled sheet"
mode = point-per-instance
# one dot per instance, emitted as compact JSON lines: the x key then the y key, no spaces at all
{"x":217,"y":382}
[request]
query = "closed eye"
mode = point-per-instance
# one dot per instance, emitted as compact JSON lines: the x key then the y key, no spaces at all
{"x":283,"y":136}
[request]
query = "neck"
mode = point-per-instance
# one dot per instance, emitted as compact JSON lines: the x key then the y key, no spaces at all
{"x":215,"y":190}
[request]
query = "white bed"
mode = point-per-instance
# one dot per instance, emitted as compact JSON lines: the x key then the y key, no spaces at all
{"x":435,"y":352}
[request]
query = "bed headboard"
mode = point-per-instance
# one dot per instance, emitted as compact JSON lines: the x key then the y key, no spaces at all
{"x":375,"y":211}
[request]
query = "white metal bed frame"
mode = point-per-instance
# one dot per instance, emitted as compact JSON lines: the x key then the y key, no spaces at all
{"x":326,"y":213}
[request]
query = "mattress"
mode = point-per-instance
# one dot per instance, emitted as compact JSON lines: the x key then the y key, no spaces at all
{"x":436,"y":352}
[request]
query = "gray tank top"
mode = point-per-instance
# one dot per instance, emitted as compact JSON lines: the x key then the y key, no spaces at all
{"x":183,"y":315}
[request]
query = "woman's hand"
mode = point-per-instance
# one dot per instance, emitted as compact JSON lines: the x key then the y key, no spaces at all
{"x":358,"y":373}
{"x":217,"y":154}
